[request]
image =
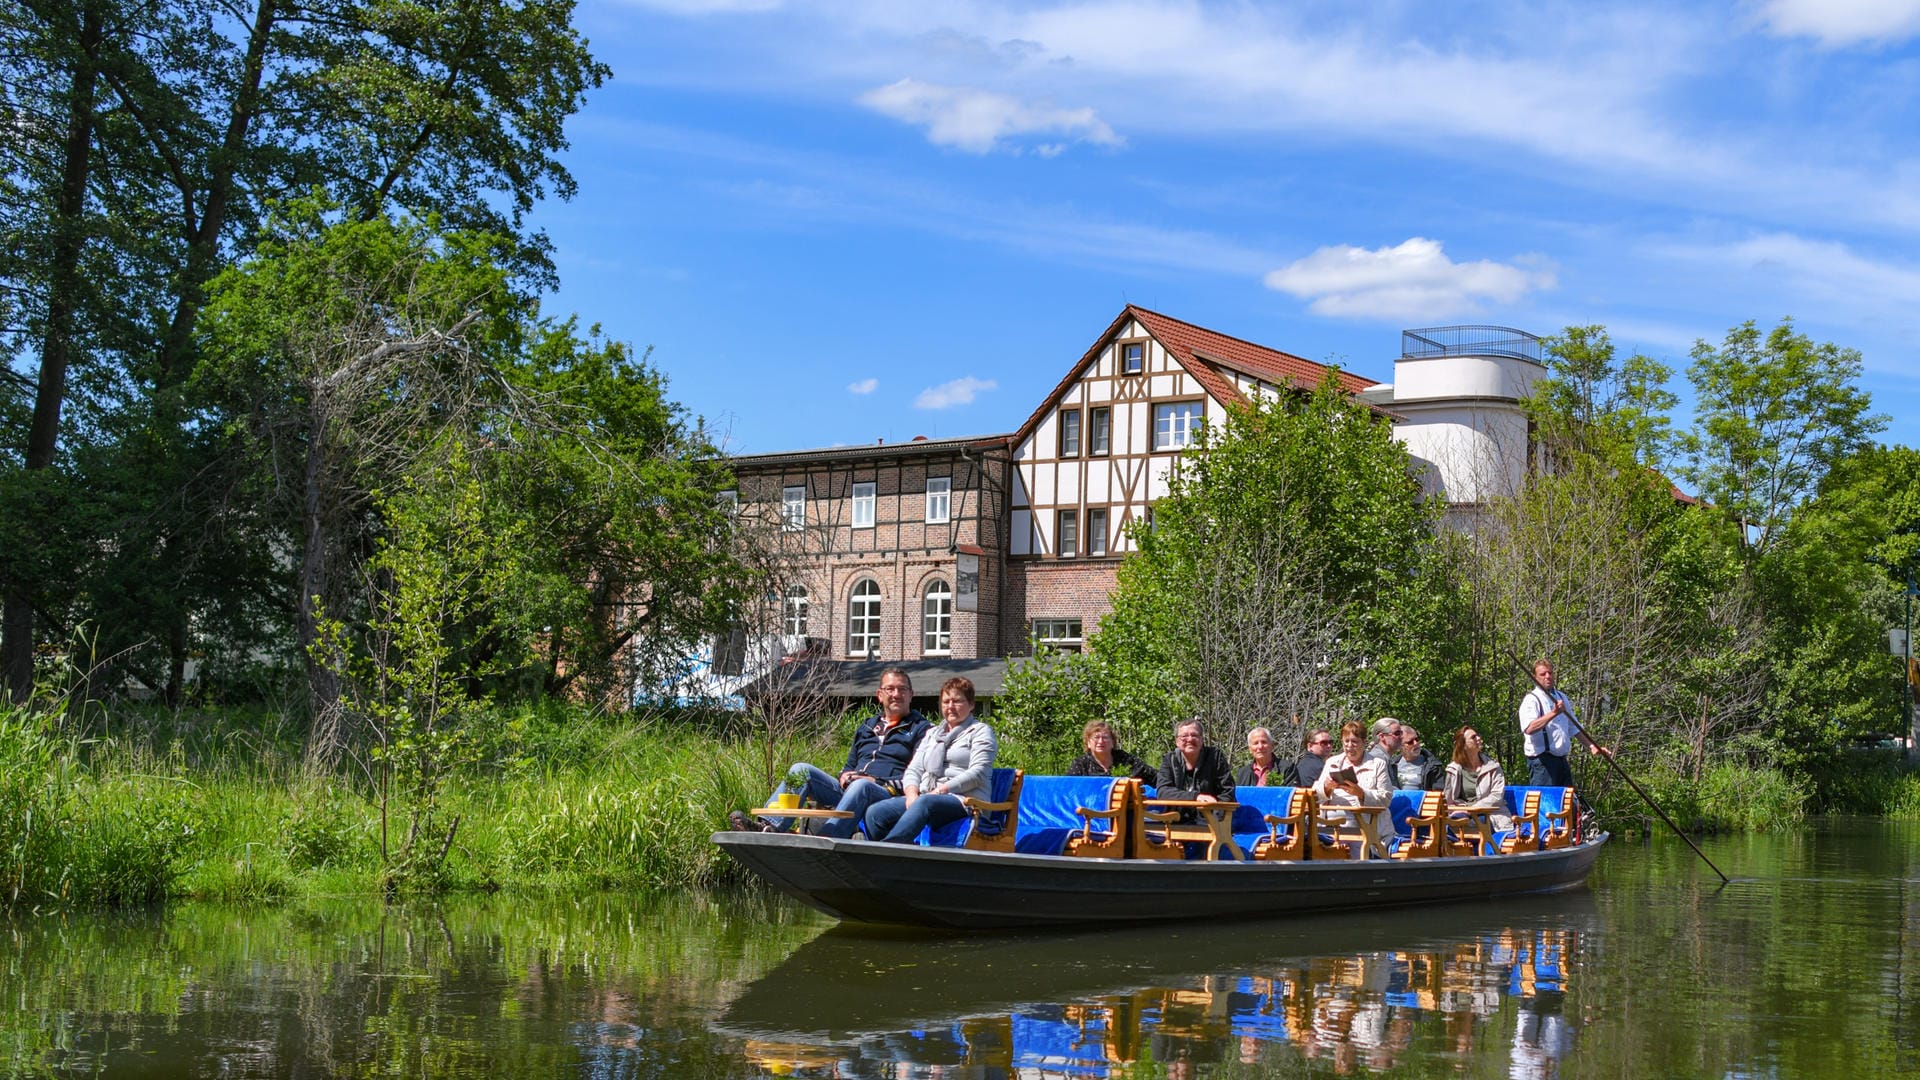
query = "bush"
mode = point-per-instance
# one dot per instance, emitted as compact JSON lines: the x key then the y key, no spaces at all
{"x":1728,"y":798}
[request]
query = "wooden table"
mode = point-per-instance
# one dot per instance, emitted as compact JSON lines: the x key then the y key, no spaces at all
{"x":810,"y":816}
{"x":1216,"y":816}
{"x":1482,"y":821}
{"x":1366,"y":822}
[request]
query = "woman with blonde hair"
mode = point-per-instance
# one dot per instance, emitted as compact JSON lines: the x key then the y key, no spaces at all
{"x":1104,"y":755}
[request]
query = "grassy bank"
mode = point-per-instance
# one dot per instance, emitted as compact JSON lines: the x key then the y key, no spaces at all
{"x":136,"y":807}
{"x":140,"y":807}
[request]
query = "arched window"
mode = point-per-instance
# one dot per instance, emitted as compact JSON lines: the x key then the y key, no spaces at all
{"x":863,"y":619}
{"x":793,"y":620}
{"x":936,"y":621}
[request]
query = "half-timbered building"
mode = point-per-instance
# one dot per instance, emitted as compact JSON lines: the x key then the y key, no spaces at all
{"x":981,"y":546}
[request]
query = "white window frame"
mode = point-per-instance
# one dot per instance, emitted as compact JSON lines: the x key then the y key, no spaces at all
{"x":1100,"y":430}
{"x":936,"y":619}
{"x":793,"y":508}
{"x":793,"y":611}
{"x":863,"y":618}
{"x":1096,"y":538}
{"x":939,"y":500}
{"x":1062,"y":634}
{"x":1066,"y":540}
{"x":864,"y":499}
{"x":1173,"y":423}
{"x":1133,"y":368}
{"x":1070,"y":424}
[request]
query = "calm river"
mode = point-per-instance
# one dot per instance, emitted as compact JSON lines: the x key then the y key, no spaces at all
{"x":1807,"y":966}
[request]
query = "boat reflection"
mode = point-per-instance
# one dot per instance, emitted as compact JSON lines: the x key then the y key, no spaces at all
{"x":1370,"y":992}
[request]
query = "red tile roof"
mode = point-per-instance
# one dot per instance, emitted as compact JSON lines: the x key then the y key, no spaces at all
{"x":1202,"y":351}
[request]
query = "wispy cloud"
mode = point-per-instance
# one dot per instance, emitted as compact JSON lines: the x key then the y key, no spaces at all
{"x":1839,"y":23}
{"x":863,"y":386}
{"x":1413,"y":280}
{"x":959,"y":391}
{"x":978,"y":121}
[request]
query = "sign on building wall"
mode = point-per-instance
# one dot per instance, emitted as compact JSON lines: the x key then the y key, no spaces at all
{"x":966,"y":582}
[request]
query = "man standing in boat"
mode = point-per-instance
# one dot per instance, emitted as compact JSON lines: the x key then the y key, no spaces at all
{"x":1549,"y":728}
{"x":881,"y":749}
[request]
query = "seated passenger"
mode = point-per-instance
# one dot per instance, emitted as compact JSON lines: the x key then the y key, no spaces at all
{"x":1193,"y":769}
{"x":881,"y":749}
{"x":1104,"y":756}
{"x":1415,"y":769}
{"x":954,"y":761}
{"x":1476,"y":780}
{"x":1352,"y":778}
{"x":1265,"y":770}
{"x":1314,"y":758}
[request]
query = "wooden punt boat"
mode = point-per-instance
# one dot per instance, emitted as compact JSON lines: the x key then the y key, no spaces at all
{"x":958,"y":888}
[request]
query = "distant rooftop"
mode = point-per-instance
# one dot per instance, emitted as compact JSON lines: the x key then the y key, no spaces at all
{"x":1436,"y":341}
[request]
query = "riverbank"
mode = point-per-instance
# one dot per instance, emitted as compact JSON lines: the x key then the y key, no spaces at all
{"x":144,"y":806}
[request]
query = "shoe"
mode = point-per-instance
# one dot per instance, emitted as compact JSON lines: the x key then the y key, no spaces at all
{"x":742,"y":823}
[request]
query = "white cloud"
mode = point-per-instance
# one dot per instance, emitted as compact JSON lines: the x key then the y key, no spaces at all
{"x":1825,"y":271}
{"x":978,"y":121}
{"x":864,"y":386}
{"x":1414,"y":280}
{"x":959,"y":391}
{"x":1839,"y":23}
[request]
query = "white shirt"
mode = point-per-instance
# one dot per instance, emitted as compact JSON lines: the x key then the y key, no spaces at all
{"x":1557,"y":737}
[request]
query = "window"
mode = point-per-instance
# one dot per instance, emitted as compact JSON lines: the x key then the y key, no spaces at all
{"x":863,"y":506}
{"x":1173,"y":424}
{"x":1069,"y":432}
{"x":793,"y":616}
{"x":1097,"y":532}
{"x":793,"y":509}
{"x":939,"y":499}
{"x":1060,"y":634}
{"x":729,"y":499}
{"x":1133,"y":357}
{"x":936,"y":622}
{"x":1069,"y":534}
{"x":863,"y":619}
{"x":1100,"y":438}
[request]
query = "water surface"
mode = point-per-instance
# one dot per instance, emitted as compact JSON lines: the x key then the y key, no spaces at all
{"x":1808,"y":965}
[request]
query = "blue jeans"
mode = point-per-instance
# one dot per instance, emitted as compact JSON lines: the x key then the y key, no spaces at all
{"x":1549,"y":770}
{"x":822,"y":789}
{"x":897,"y":823}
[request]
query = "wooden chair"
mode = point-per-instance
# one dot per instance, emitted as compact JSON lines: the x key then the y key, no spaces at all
{"x":1526,"y":826}
{"x":1427,"y":834}
{"x":1159,"y":844}
{"x":994,"y":820}
{"x":1298,"y":819}
{"x":1111,"y":844}
{"x":1557,"y":826}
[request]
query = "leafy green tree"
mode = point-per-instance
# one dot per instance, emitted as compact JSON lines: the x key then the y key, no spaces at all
{"x":1775,"y":412}
{"x":170,"y":126}
{"x":1273,"y":574}
{"x":1595,"y":403}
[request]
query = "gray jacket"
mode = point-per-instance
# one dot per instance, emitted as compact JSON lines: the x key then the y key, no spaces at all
{"x":962,"y":759}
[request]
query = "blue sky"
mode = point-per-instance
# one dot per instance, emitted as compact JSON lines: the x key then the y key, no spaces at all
{"x":849,"y":220}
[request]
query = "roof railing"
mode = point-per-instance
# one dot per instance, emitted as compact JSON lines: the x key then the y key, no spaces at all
{"x":1435,"y":341}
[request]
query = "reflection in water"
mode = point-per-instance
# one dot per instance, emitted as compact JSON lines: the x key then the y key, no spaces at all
{"x":1492,"y":988}
{"x":1808,"y":966}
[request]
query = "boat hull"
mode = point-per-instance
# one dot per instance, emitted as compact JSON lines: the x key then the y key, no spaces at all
{"x":901,"y":884}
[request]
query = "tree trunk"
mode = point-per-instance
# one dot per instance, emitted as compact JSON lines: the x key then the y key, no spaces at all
{"x":323,"y":686}
{"x":57,"y":345}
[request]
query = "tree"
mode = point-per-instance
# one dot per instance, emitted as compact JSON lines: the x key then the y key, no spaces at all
{"x":1596,"y":404}
{"x":1774,"y":414}
{"x":1271,"y":575}
{"x":181,"y":121}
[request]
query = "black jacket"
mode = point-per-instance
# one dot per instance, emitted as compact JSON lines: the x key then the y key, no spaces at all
{"x":1283,"y":774}
{"x":1212,"y":777}
{"x":886,"y":759}
{"x":1085,"y":765}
